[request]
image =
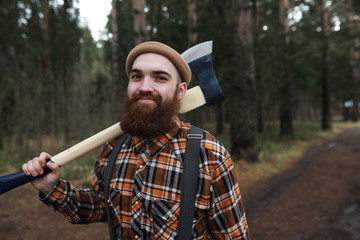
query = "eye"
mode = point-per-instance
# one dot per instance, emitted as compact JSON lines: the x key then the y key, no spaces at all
{"x":161,"y":78}
{"x":135,"y":76}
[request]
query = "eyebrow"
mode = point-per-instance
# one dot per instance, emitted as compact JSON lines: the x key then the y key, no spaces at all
{"x":154,"y":72}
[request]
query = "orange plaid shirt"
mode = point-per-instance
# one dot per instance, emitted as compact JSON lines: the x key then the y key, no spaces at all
{"x":145,"y":190}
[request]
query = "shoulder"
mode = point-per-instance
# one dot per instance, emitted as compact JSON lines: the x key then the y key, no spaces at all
{"x":107,"y":148}
{"x":213,"y":152}
{"x":212,"y":144}
{"x":104,"y":155}
{"x":209,"y":143}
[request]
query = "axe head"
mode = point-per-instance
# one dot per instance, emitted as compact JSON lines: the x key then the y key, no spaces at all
{"x":199,"y":58}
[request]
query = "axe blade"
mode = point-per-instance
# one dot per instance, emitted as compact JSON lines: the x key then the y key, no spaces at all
{"x":199,"y":58}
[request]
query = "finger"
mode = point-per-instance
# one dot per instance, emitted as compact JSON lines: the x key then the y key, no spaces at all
{"x":25,"y":169}
{"x":30,"y":167}
{"x":43,"y":157}
{"x":37,"y":165}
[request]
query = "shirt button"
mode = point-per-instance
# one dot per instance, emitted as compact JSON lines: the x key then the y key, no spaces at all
{"x":141,"y":166}
{"x":137,"y":202}
{"x":170,"y":215}
{"x":136,"y":237}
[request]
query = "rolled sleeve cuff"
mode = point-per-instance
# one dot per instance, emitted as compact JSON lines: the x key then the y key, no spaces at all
{"x":56,"y":197}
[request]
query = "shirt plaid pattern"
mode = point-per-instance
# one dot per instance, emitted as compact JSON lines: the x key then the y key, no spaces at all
{"x":145,"y":190}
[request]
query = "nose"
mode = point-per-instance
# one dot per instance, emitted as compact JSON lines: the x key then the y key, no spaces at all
{"x":146,"y":85}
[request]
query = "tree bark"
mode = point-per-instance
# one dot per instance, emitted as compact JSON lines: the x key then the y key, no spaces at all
{"x":243,"y":124}
{"x":66,"y":76}
{"x":2,"y":132}
{"x":139,"y":21}
{"x":286,"y":118}
{"x":152,"y":17}
{"x":46,"y":97}
{"x":326,"y":118}
{"x":259,"y":99}
{"x":45,"y":27}
{"x":114,"y":43}
{"x":354,"y":62}
{"x":115,"y":71}
{"x":193,"y":35}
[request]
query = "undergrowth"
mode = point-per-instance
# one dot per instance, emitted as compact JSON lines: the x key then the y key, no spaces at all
{"x":275,"y":153}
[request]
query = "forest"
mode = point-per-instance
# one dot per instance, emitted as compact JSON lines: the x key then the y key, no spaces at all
{"x":278,"y":63}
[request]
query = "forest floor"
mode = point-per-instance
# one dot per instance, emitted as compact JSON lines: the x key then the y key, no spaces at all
{"x":317,"y":198}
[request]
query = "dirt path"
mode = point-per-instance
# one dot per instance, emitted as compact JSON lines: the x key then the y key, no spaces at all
{"x":317,"y":199}
{"x":22,"y":216}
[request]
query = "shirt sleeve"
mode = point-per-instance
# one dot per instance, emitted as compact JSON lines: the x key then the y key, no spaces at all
{"x":81,"y":205}
{"x":227,"y":215}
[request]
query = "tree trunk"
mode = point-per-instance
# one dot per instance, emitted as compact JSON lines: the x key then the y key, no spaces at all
{"x":152,"y":17}
{"x":219,"y":119}
{"x":114,"y":44}
{"x":46,"y":97}
{"x":259,"y":99}
{"x":354,"y":62}
{"x":193,"y":35}
{"x":2,"y":132}
{"x":139,"y":21}
{"x":66,"y":76}
{"x":326,"y":118}
{"x":243,"y":124}
{"x":45,"y":26}
{"x":286,"y":118}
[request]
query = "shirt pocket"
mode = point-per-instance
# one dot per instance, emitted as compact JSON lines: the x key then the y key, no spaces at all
{"x":165,"y":217}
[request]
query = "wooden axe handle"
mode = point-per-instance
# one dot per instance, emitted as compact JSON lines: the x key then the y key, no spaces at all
{"x":193,"y":98}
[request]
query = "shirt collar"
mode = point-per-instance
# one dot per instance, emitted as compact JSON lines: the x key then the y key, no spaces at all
{"x":158,"y":143}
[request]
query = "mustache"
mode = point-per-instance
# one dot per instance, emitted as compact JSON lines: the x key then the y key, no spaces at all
{"x":151,"y":96}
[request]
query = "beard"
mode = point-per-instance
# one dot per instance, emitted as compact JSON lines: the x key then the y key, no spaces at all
{"x":142,"y":120}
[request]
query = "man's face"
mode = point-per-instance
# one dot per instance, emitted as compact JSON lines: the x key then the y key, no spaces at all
{"x":153,"y":96}
{"x":154,"y":75}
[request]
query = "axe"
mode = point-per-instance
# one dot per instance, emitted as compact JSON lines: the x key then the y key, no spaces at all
{"x":199,"y":58}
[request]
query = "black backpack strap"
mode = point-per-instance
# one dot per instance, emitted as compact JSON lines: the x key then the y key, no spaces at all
{"x":108,"y":174}
{"x":189,"y":183}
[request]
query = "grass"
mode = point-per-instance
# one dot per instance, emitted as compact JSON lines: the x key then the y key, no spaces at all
{"x":275,"y":154}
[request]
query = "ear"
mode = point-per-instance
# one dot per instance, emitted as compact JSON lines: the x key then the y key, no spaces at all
{"x":182,"y":90}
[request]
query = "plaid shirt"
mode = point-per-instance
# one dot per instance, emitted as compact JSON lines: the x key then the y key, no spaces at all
{"x":145,"y":190}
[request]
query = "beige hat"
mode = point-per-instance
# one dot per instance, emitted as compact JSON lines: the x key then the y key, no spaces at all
{"x":162,"y":49}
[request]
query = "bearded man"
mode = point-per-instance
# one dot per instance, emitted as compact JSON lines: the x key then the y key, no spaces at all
{"x":145,"y":189}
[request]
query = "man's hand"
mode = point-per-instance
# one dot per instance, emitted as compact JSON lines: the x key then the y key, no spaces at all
{"x":35,"y":166}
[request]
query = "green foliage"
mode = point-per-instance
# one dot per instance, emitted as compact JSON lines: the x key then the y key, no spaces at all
{"x":72,"y":95}
{"x":170,"y":15}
